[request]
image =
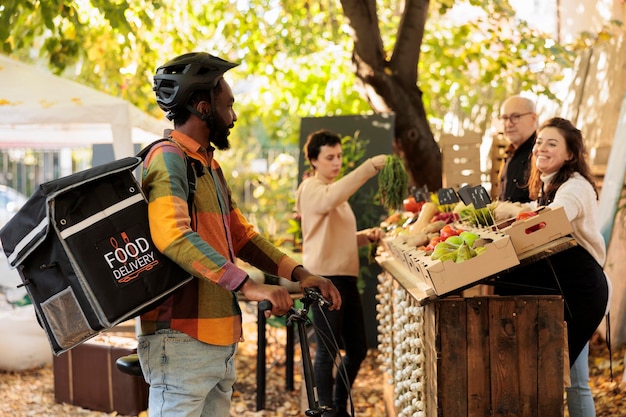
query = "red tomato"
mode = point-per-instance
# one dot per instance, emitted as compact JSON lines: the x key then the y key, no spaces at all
{"x":525,"y":215}
{"x":433,"y":242}
{"x":409,"y":204}
{"x":448,"y":231}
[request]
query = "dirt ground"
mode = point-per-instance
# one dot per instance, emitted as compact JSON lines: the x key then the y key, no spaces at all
{"x":31,"y":393}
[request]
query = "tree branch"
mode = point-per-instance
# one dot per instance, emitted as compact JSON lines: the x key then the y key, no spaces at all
{"x":368,"y":43}
{"x":405,"y":57}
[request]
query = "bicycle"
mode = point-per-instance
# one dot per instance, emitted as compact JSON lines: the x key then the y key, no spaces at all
{"x":296,"y":316}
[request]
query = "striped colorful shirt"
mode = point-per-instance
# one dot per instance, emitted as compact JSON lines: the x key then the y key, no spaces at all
{"x":205,"y":245}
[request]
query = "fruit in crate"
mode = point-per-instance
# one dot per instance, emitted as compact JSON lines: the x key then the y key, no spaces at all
{"x":448,"y":217}
{"x":394,"y":224}
{"x":506,"y":212}
{"x":525,"y":215}
{"x":469,"y":237}
{"x":446,"y":231}
{"x":458,"y":248}
{"x":444,"y":251}
{"x":428,"y":211}
{"x":410,"y":204}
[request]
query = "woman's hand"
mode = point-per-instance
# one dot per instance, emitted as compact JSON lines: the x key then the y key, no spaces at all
{"x":378,"y":161}
{"x":374,"y":234}
{"x":507,"y":210}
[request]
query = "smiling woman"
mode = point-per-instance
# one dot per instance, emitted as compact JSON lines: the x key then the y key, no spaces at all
{"x":550,"y":151}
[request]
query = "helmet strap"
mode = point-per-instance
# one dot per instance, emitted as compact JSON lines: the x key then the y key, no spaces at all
{"x":209,"y":118}
{"x":204,"y":117}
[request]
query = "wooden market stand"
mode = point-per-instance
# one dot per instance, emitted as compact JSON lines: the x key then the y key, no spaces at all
{"x":454,"y":356}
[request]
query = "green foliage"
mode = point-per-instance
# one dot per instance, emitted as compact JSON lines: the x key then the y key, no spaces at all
{"x":295,"y":56}
{"x":267,"y":197}
{"x":478,"y":62}
{"x":352,"y":152}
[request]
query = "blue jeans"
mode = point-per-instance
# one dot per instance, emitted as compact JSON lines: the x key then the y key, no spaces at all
{"x":579,"y":398}
{"x":187,"y":378}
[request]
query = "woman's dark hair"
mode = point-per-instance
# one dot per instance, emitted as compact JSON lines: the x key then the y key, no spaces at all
{"x":578,"y":162}
{"x":316,"y":140}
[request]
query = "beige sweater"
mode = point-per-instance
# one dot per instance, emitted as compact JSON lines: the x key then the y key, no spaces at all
{"x":577,"y":197}
{"x":330,"y":238}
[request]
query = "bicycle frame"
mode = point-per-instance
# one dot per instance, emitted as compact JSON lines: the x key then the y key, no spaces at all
{"x":299,"y":317}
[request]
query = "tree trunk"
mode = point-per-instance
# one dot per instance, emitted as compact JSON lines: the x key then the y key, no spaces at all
{"x":390,"y":85}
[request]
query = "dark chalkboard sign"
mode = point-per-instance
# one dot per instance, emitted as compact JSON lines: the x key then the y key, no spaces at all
{"x":447,"y":196}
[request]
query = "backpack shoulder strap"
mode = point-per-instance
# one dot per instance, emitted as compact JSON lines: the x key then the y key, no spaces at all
{"x":192,"y":167}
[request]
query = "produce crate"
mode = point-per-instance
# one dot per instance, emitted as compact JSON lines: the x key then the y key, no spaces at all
{"x":548,"y":225}
{"x":86,"y":376}
{"x":448,"y":276}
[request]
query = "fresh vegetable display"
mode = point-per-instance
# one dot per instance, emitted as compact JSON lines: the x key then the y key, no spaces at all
{"x":393,"y":183}
{"x":438,"y":244}
{"x":436,"y":234}
{"x":448,"y":217}
{"x":476,"y":217}
{"x":428,"y":211}
{"x":458,"y":248}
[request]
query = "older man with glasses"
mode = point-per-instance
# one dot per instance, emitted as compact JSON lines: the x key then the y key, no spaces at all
{"x":519,"y":123}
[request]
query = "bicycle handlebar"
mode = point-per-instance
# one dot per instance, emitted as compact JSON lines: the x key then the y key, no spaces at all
{"x":265,"y":305}
{"x":311,"y":295}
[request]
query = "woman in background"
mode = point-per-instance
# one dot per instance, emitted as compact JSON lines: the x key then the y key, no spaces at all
{"x":560,"y":177}
{"x":330,"y":248}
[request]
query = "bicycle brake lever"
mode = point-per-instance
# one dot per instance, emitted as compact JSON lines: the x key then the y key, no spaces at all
{"x":314,"y":294}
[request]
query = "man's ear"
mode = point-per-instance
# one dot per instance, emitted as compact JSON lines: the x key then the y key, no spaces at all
{"x":204,"y":107}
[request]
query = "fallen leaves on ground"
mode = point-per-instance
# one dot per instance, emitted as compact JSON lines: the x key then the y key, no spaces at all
{"x":31,"y":393}
{"x":609,"y":394}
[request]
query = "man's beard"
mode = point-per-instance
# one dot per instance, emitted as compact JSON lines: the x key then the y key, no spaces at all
{"x":219,"y":134}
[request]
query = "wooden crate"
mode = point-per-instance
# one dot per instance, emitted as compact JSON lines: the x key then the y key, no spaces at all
{"x":461,"y":159}
{"x":495,"y":356}
{"x":468,"y":357}
{"x":497,"y":153}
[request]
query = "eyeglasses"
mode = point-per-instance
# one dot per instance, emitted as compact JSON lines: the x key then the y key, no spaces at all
{"x":514,"y":118}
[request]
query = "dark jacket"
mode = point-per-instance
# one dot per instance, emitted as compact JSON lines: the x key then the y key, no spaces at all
{"x":514,"y":175}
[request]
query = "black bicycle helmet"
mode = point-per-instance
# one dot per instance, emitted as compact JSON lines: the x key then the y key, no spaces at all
{"x":175,"y":81}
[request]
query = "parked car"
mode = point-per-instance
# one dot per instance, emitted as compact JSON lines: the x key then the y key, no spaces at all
{"x":10,"y":202}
